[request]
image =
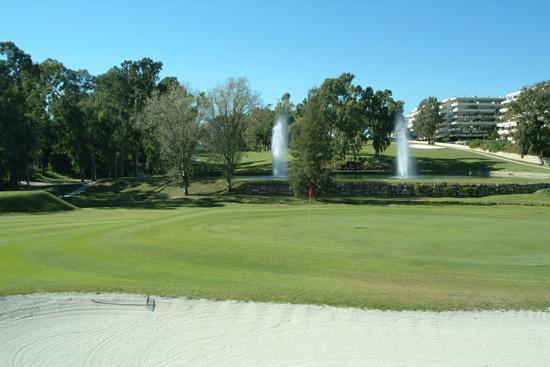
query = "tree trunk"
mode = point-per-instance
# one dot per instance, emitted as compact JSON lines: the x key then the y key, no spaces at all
{"x":81,"y":174}
{"x":185,"y":186}
{"x":94,"y":168}
{"x":228,"y":183}
{"x":136,"y":162}
{"x":47,"y":159}
{"x":14,"y":179}
{"x":27,"y":175}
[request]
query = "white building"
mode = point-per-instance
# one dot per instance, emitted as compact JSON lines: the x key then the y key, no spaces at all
{"x":410,"y":119}
{"x":468,"y":117}
{"x":505,"y":127}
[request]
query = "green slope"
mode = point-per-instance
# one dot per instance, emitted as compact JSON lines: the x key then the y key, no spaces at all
{"x":31,"y":202}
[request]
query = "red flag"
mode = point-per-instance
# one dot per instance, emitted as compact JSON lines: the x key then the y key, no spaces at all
{"x":311,"y":193}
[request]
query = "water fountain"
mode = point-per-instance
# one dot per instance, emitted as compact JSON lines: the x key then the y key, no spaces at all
{"x":279,"y":147}
{"x":404,"y":164}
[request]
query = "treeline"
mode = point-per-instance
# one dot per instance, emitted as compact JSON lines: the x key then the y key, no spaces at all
{"x":52,"y":117}
{"x":128,"y":122}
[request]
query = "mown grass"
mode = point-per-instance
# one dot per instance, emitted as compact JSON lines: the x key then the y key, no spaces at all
{"x":541,"y":198}
{"x":53,"y":177}
{"x":413,"y":253}
{"x":444,"y":161}
{"x":438,"y":257}
{"x":448,"y":161}
{"x":31,"y":202}
{"x":434,"y":165}
{"x":440,"y":178}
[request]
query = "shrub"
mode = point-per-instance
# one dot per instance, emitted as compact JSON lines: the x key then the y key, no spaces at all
{"x":494,"y":145}
{"x":362,"y":164}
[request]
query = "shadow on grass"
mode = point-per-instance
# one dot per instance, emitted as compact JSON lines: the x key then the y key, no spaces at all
{"x":152,"y":200}
{"x":252,"y":168}
{"x":144,"y":201}
{"x":463,"y":166}
{"x":387,"y":202}
{"x":451,"y":166}
{"x":163,"y":202}
{"x":152,"y":183}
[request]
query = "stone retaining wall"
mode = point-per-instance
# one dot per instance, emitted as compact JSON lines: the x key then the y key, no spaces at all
{"x":388,"y":190}
{"x":264,"y":188}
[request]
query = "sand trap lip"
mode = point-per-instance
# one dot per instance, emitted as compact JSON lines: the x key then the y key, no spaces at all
{"x":424,"y":146}
{"x":70,"y":330}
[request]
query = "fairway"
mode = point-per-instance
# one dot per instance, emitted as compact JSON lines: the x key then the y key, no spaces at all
{"x":433,"y":257}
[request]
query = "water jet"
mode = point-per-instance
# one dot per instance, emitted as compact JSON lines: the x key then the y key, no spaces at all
{"x":279,"y":147}
{"x":405,"y":167}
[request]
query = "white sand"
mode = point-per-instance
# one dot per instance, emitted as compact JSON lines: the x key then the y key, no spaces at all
{"x":70,"y":330}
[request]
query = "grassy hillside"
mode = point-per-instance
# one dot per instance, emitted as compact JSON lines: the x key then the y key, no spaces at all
{"x":448,"y":161}
{"x":444,"y":161}
{"x":31,"y":202}
{"x":392,"y":257}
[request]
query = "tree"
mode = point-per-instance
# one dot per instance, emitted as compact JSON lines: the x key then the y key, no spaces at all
{"x":285,"y":106}
{"x":120,"y":96}
{"x":258,"y":129}
{"x":18,"y":121}
{"x":88,"y":107}
{"x":380,"y":114}
{"x":110,"y":116}
{"x":48,"y":88}
{"x":140,"y":78}
{"x":346,"y":113}
{"x":74,"y":125}
{"x":174,"y":118}
{"x":531,"y":111}
{"x":227,"y":109}
{"x":312,"y":146}
{"x":167,"y":84}
{"x":427,"y":120}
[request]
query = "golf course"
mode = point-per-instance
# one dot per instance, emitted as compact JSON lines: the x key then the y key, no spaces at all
{"x":375,"y":256}
{"x":274,"y":184}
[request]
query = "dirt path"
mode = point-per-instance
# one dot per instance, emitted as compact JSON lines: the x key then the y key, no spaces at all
{"x":83,"y":188}
{"x":71,"y":330}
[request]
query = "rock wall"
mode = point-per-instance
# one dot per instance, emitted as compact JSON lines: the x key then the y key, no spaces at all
{"x":389,"y":190}
{"x":264,"y":188}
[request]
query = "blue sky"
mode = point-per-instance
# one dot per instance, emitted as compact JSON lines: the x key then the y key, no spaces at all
{"x":415,"y":48}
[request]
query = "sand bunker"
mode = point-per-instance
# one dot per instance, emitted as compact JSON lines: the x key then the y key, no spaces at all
{"x":71,"y":330}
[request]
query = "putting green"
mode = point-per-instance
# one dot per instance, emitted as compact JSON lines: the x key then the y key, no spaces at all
{"x":392,"y":257}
